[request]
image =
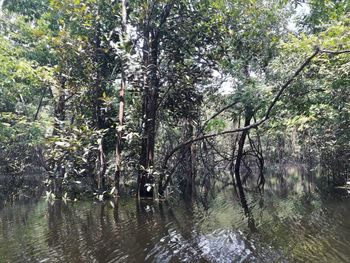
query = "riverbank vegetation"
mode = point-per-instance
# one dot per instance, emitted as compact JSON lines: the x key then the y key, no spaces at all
{"x":117,"y":97}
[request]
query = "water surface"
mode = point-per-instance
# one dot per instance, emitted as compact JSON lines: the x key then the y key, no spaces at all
{"x":293,"y":221}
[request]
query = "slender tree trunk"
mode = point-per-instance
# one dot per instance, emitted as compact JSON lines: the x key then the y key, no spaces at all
{"x":101,"y":179}
{"x":120,"y":130}
{"x":143,"y":154}
{"x":240,"y":151}
{"x":234,"y":146}
{"x":40,"y":104}
{"x":257,"y":149}
{"x":99,"y":88}
{"x":100,"y":65}
{"x":60,"y":116}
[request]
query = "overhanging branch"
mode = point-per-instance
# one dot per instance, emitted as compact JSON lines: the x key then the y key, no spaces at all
{"x":334,"y":52}
{"x":269,"y":109}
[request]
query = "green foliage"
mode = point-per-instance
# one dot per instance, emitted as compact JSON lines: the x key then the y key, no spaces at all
{"x":323,"y":12}
{"x":19,"y":136}
{"x":23,"y":78}
{"x":216,"y":125}
{"x":63,"y":64}
{"x":76,"y":148}
{"x":318,"y":102}
{"x":30,"y":8}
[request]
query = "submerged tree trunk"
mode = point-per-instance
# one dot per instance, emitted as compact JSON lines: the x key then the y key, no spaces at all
{"x":240,"y":151}
{"x":239,"y":160}
{"x":247,"y":212}
{"x":234,"y":147}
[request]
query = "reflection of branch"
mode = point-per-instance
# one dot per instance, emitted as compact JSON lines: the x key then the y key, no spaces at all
{"x":269,"y":109}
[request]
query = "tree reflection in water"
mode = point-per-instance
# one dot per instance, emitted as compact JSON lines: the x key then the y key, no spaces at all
{"x":208,"y":227}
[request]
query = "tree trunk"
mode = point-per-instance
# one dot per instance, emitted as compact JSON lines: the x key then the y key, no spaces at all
{"x":152,"y":36}
{"x":100,"y":64}
{"x":120,"y":130}
{"x":257,"y":150}
{"x":60,"y":116}
{"x":188,"y":161}
{"x":150,"y":100}
{"x":40,"y":104}
{"x":102,"y":170}
{"x":240,"y":151}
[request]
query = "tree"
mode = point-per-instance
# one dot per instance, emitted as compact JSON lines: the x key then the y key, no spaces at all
{"x":316,"y":101}
{"x":23,"y":80}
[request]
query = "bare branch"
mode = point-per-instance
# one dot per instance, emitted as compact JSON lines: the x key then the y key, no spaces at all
{"x":334,"y":52}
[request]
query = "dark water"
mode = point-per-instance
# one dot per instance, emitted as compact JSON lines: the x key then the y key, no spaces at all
{"x":293,"y":221}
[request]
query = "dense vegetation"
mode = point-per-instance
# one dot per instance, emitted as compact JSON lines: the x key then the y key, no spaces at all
{"x":108,"y":95}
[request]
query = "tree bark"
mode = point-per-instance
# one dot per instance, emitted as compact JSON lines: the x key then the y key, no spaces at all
{"x":257,"y":149}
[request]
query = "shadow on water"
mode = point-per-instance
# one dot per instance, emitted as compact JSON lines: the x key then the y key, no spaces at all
{"x":293,"y":221}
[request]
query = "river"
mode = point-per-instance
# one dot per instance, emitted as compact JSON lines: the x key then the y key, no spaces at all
{"x":294,"y":220}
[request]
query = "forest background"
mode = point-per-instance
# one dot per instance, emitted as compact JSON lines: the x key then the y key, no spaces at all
{"x":106,"y":96}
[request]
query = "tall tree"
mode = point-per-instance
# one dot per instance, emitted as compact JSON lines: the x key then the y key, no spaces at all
{"x":123,"y":68}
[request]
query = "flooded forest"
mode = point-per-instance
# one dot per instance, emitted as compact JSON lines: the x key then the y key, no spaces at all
{"x":174,"y":131}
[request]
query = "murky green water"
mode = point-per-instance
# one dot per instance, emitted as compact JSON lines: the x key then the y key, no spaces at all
{"x":291,"y":222}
